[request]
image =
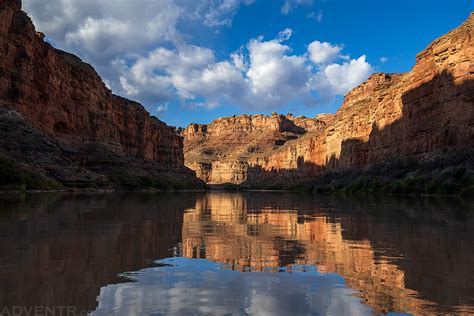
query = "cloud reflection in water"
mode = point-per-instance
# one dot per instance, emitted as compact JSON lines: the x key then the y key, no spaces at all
{"x":189,"y":286}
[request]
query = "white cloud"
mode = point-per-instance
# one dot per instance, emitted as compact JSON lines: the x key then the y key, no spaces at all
{"x":239,"y":61}
{"x":217,"y":83}
{"x":101,"y":30}
{"x":162,"y":108}
{"x":276,"y":77}
{"x":323,"y":53}
{"x":284,"y":35}
{"x":191,"y":73}
{"x":163,"y":72}
{"x":338,"y":79}
{"x":267,"y":76}
{"x":383,"y":60}
{"x":127,"y":87}
{"x":221,"y":12}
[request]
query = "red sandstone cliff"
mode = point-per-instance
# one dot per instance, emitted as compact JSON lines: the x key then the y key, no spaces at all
{"x":219,"y":152}
{"x":426,"y":112}
{"x":65,"y":100}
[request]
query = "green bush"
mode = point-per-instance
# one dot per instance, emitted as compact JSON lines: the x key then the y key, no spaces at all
{"x":15,"y":177}
{"x":452,"y":174}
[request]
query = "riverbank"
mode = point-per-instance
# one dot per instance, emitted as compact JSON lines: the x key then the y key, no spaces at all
{"x":19,"y":177}
{"x":447,"y":175}
{"x":451,"y":174}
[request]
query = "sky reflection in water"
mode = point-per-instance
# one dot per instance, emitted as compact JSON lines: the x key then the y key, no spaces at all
{"x":189,"y":286}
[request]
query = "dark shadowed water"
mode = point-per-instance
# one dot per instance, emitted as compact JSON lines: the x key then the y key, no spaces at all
{"x":235,"y":253}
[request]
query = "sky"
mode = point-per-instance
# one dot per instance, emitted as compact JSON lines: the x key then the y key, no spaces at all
{"x":192,"y":61}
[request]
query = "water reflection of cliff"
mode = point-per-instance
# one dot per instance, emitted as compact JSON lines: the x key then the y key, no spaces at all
{"x":407,"y":256}
{"x":412,"y":255}
{"x":60,"y":250}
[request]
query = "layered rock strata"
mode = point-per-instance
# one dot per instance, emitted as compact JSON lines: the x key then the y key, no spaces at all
{"x":219,"y":152}
{"x":66,"y":101}
{"x":421,"y":114}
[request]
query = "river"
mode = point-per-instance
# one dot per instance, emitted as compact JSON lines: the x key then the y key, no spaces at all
{"x":217,"y":253}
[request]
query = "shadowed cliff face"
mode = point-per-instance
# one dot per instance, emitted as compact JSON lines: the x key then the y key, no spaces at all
{"x":63,"y":100}
{"x":406,"y":254}
{"x":421,"y":114}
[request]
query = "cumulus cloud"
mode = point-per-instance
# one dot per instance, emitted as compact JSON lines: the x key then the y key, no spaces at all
{"x":264,"y":75}
{"x":164,"y":71}
{"x":239,"y":61}
{"x":139,"y":50}
{"x":217,"y":83}
{"x":338,"y":79}
{"x":323,"y":53}
{"x":101,"y":30}
{"x":276,"y":77}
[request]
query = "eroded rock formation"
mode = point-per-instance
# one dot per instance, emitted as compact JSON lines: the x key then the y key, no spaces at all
{"x":66,"y":101}
{"x":426,"y":112}
{"x":219,"y":152}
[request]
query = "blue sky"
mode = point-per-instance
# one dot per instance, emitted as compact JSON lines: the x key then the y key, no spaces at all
{"x":196,"y":60}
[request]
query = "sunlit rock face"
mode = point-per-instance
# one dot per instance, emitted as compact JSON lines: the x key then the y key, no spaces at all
{"x":219,"y":152}
{"x":227,"y":229}
{"x":424,"y":113}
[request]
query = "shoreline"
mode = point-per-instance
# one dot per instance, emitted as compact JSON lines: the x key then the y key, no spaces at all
{"x":236,"y":190}
{"x":92,"y":191}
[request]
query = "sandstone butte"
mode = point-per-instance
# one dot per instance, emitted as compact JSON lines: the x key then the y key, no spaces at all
{"x":57,"y":115}
{"x":424,"y":113}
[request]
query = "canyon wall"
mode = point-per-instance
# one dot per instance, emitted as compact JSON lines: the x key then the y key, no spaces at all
{"x":421,"y":114}
{"x":65,"y":99}
{"x":219,"y":152}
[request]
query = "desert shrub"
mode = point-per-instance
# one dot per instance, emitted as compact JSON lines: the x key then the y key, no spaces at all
{"x":450,"y":174}
{"x":15,"y":177}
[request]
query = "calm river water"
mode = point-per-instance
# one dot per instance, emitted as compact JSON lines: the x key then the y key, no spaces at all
{"x":235,"y":253}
